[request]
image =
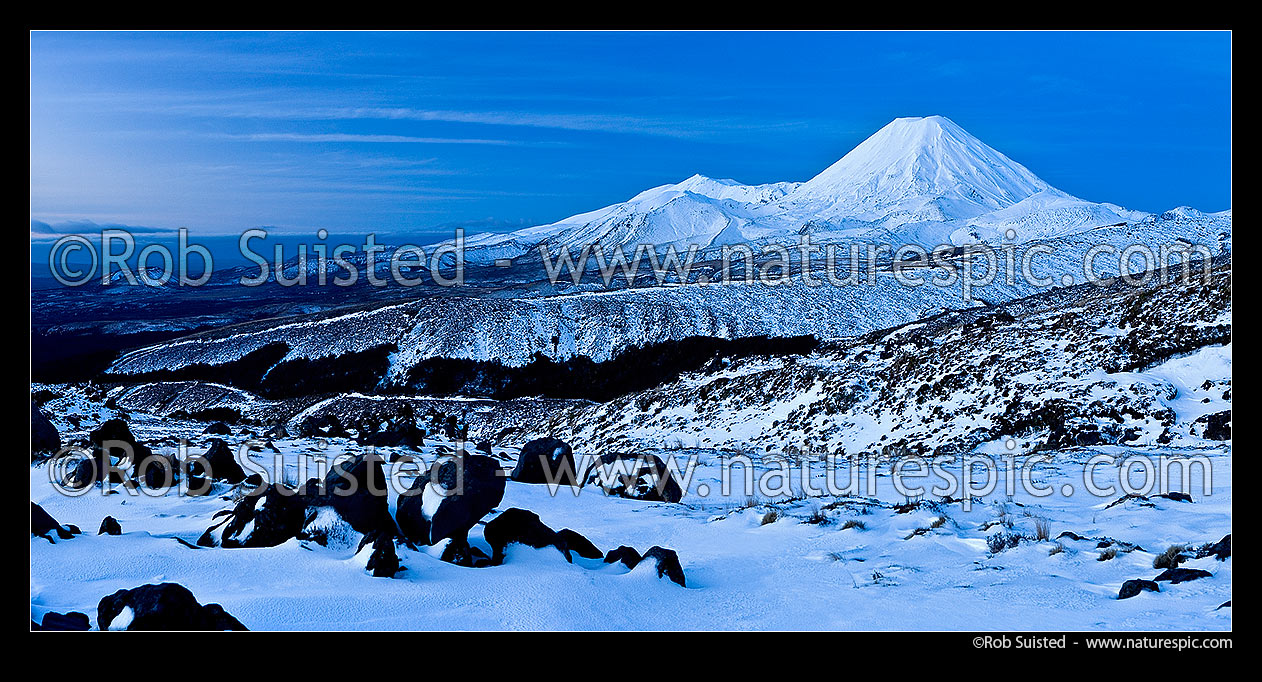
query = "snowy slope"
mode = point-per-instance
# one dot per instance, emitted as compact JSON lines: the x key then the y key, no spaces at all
{"x":799,"y":559}
{"x":694,"y":211}
{"x":1113,"y":364}
{"x":916,"y":169}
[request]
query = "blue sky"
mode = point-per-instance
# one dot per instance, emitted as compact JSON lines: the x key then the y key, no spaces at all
{"x":401,"y":132}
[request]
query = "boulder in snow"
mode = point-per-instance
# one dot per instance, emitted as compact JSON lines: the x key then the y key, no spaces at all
{"x":448,"y":500}
{"x":545,"y":460}
{"x":161,"y":607}
{"x":110,"y":526}
{"x":637,"y":477}
{"x":1130,"y":588}
{"x":44,"y":436}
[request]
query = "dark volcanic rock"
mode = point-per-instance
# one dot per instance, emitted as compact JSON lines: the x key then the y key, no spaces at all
{"x":113,"y":439}
{"x":1217,"y":426}
{"x":1181,"y":575}
{"x":1064,"y":435}
{"x":470,"y":487}
{"x":667,"y":564}
{"x":546,"y":459}
{"x":42,"y":524}
{"x":384,"y":560}
{"x":218,"y":429}
{"x":83,"y":474}
{"x":521,"y":526}
{"x":166,"y":606}
{"x":1130,"y":588}
{"x":110,"y":526}
{"x":325,"y":425}
{"x":578,"y":544}
{"x":410,"y":513}
{"x":44,"y":436}
{"x":73,"y":621}
{"x":158,"y":471}
{"x":1220,"y":550}
{"x":637,"y":477}
{"x":278,"y":514}
{"x":218,"y":463}
{"x":627,"y":555}
{"x":401,"y":431}
{"x":461,"y":553}
{"x":357,"y":489}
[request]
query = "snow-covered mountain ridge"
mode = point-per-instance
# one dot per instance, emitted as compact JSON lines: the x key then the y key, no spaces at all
{"x":1147,"y":366}
{"x":921,"y":180}
{"x":916,"y":181}
{"x":600,"y":324}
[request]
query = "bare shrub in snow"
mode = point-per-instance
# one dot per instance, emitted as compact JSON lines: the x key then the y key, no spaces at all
{"x":1172,"y":557}
{"x":1001,"y":541}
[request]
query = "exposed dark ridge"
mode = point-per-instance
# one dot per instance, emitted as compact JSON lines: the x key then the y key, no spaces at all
{"x":80,"y":356}
{"x":264,"y":372}
{"x":356,"y":371}
{"x":245,"y":372}
{"x":634,"y":369}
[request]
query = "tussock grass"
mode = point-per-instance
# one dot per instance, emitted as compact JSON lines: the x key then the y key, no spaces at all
{"x":818,"y":517}
{"x":1172,"y":557}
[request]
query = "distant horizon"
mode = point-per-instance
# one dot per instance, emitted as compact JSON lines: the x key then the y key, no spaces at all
{"x":405,"y":133}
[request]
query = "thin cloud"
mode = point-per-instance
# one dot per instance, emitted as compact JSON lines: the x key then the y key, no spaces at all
{"x":350,"y":137}
{"x":248,"y":106}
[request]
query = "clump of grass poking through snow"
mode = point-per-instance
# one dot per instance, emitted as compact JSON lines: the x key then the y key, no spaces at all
{"x":1056,"y":549}
{"x":935,"y":524}
{"x":1107,"y":555}
{"x":854,"y":523}
{"x":818,"y":517}
{"x":1005,"y":518}
{"x":1171,"y":558}
{"x":770,"y":517}
{"x":1042,"y":529}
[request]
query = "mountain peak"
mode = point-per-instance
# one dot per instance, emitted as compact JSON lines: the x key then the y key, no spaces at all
{"x":923,"y":165}
{"x":934,"y":121}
